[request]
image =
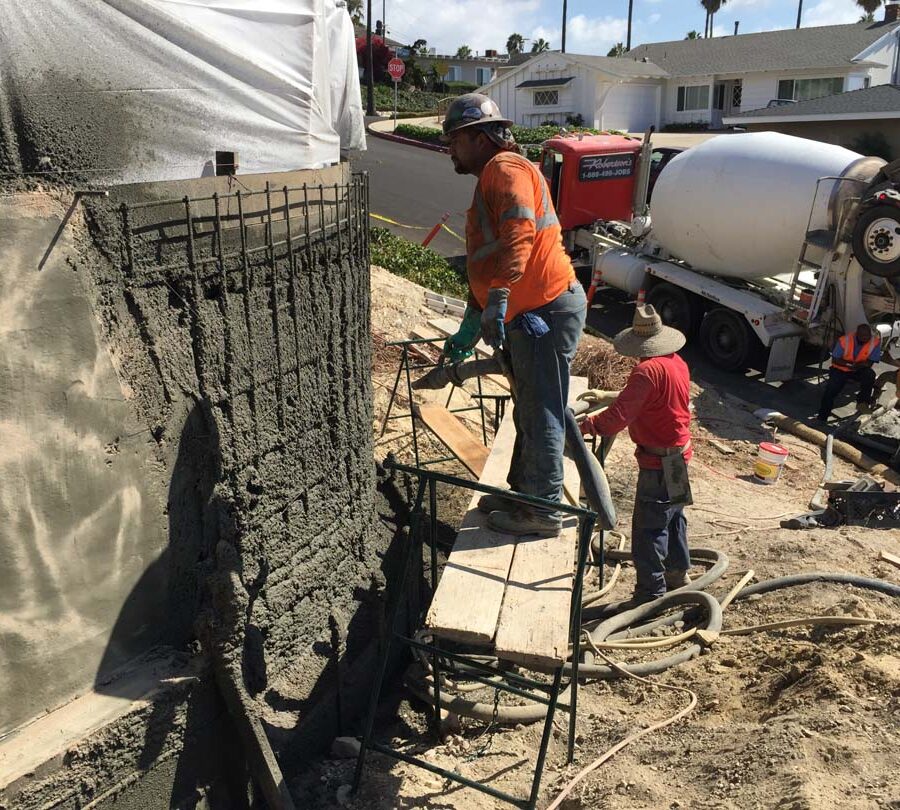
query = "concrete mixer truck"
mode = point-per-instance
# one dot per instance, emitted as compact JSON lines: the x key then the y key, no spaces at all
{"x":750,"y":242}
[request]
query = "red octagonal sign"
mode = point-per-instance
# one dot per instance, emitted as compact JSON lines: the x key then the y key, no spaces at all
{"x":396,"y":68}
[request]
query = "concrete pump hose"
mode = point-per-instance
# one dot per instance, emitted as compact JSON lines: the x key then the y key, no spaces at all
{"x":820,"y":576}
{"x":593,"y":478}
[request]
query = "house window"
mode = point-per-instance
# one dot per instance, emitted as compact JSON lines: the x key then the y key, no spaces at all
{"x":693,"y":97}
{"x":484,"y":75}
{"x":737,"y":94}
{"x":454,"y":74}
{"x":546,"y":98}
{"x":805,"y":89}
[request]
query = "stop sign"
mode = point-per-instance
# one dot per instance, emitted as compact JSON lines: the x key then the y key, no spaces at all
{"x":396,"y":68}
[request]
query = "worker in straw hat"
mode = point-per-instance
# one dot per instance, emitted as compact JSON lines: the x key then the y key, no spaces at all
{"x":655,"y":407}
{"x":524,"y":299}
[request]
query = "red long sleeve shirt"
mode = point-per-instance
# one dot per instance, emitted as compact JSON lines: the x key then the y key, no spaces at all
{"x":654,"y":406}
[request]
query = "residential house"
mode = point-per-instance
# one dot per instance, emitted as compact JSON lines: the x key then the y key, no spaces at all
{"x":711,"y":80}
{"x":476,"y":69}
{"x":847,"y":119}
{"x":607,"y":93}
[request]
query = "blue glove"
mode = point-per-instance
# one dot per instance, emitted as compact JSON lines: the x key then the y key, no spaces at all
{"x":494,"y":315}
{"x":460,"y":346}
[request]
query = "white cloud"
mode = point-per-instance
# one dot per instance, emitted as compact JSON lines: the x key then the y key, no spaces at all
{"x":831,"y":12}
{"x":654,"y":18}
{"x":475,"y":23}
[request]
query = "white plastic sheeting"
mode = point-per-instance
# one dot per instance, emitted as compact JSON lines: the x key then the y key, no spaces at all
{"x":125,"y":91}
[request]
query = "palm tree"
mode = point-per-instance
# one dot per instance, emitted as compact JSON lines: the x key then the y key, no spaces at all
{"x":354,"y":9}
{"x":463,"y":52}
{"x":693,"y":35}
{"x":515,"y":43}
{"x":799,"y":12}
{"x":617,"y":50}
{"x":712,"y":8}
{"x":870,"y":7}
{"x":540,"y":45}
{"x":628,"y":38}
{"x":565,"y":9}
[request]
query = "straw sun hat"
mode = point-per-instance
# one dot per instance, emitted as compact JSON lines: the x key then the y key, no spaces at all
{"x":648,"y":337}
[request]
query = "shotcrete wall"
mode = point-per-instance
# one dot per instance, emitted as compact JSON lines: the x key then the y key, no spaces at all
{"x":185,"y":390}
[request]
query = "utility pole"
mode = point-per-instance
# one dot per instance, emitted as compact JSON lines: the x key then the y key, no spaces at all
{"x":630,"y":8}
{"x":384,"y":18}
{"x":799,"y":12}
{"x":370,"y":71}
{"x":564,"y":28}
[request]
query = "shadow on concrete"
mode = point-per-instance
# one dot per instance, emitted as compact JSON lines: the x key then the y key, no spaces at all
{"x":190,"y":715}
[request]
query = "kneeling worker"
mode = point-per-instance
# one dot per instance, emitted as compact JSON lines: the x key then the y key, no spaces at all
{"x":655,"y":407}
{"x":852,"y":359}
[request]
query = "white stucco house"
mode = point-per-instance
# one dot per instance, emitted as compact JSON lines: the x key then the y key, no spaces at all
{"x":701,"y":81}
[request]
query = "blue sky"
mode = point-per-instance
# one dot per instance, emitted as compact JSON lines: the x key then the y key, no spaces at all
{"x":594,"y":25}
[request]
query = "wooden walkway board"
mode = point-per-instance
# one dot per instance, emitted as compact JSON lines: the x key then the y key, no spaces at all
{"x":530,"y":623}
{"x":534,"y":619}
{"x":467,"y":602}
{"x":449,"y":428}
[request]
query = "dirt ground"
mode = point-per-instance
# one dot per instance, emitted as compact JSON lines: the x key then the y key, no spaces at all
{"x":806,"y":717}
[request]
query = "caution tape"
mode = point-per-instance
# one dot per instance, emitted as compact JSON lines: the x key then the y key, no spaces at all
{"x":414,"y":227}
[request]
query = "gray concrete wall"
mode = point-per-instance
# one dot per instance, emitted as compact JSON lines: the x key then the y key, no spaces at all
{"x":169,"y":415}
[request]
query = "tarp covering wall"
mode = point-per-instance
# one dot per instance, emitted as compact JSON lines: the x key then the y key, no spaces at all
{"x":121,"y":91}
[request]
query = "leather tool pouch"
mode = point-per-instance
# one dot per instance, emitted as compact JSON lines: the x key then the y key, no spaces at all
{"x":678,"y":483}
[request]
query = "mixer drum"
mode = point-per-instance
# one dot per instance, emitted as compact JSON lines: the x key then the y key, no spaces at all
{"x":739,"y":205}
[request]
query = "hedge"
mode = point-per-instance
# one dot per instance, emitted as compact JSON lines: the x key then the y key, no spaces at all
{"x":407,"y":100}
{"x":416,"y":263}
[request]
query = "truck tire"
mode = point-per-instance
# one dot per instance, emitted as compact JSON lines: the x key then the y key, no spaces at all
{"x":876,"y":241}
{"x":677,"y":308}
{"x":727,"y":339}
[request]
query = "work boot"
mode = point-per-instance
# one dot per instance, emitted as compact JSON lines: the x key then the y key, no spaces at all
{"x":495,"y":503}
{"x":676,"y":579}
{"x":520,"y":522}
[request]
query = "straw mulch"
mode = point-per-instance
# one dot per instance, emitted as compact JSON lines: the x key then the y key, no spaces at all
{"x":601,"y":364}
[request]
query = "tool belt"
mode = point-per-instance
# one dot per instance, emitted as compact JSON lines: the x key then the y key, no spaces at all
{"x":665,"y":451}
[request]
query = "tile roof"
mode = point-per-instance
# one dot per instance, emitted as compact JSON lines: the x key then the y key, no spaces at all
{"x":883,"y":98}
{"x":828,"y":46}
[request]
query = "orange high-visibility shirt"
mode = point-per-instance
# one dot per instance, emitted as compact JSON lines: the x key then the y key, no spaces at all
{"x":513,"y":238}
{"x":849,"y":353}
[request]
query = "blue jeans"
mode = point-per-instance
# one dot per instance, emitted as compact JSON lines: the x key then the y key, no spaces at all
{"x":541,"y":369}
{"x":658,"y":535}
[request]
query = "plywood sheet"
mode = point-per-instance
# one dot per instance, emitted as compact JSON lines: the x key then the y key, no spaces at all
{"x":449,"y":428}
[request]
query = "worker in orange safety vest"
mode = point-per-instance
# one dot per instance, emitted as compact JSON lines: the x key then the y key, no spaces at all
{"x":523,"y":298}
{"x":852,"y":359}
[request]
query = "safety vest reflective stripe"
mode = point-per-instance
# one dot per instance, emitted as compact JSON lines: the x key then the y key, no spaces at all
{"x":853,"y":354}
{"x":549,"y":218}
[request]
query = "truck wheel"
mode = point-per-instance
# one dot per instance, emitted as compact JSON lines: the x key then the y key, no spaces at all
{"x":727,"y":339}
{"x":876,"y":241}
{"x":677,"y":308}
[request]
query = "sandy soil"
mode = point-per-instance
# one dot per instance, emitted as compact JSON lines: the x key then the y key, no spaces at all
{"x":797,"y":718}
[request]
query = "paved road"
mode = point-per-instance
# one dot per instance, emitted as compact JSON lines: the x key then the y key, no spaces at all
{"x":415,"y":186}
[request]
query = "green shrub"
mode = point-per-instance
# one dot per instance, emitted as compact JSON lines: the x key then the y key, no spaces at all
{"x":458,"y":88}
{"x":418,"y":133}
{"x":407,"y":100}
{"x":691,"y":126}
{"x":416,"y":263}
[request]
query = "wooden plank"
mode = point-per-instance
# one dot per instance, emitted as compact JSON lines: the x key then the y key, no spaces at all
{"x":533,"y":627}
{"x":448,"y":427}
{"x":467,"y":602}
{"x":893,"y":559}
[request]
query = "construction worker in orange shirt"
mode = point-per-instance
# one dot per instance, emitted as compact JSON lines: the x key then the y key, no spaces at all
{"x":852,"y":359}
{"x":524,"y":297}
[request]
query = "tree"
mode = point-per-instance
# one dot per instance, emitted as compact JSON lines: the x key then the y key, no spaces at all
{"x":381,"y":55}
{"x":869,"y":7}
{"x":354,"y":9}
{"x":712,"y":8}
{"x":540,"y":45}
{"x":515,"y":43}
{"x":617,"y":50}
{"x":693,"y":35}
{"x":463,"y":52}
{"x":420,"y":47}
{"x":628,"y":38}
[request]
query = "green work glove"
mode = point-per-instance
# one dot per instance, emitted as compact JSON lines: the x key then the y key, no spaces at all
{"x":461,"y":345}
{"x":598,"y":396}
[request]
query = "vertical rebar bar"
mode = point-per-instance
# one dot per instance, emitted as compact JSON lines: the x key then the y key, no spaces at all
{"x":274,"y":304}
{"x":223,"y":301}
{"x":337,"y":215}
{"x":248,"y":317}
{"x":197,"y":346}
{"x":545,"y":739}
{"x":585,"y":529}
{"x":322,"y":215}
{"x":292,"y":283}
{"x":129,"y":239}
{"x":409,"y":395}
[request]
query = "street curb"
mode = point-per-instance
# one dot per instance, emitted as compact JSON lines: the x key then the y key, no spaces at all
{"x":389,"y":136}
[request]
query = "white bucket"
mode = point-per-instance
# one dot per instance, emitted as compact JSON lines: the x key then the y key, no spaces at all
{"x":769,"y":462}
